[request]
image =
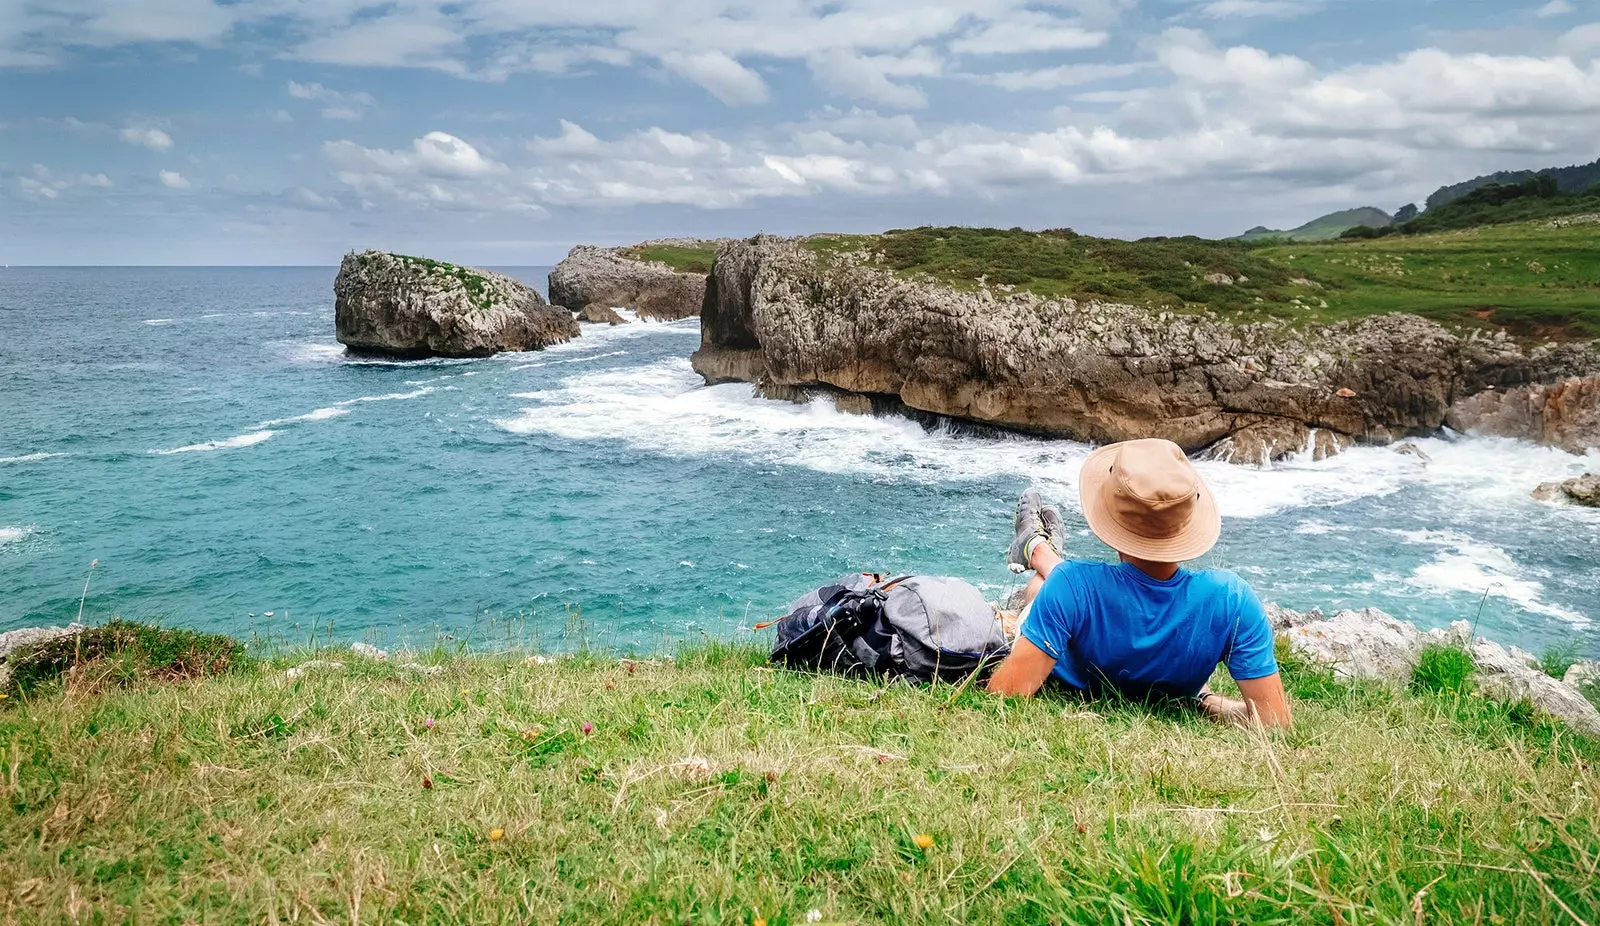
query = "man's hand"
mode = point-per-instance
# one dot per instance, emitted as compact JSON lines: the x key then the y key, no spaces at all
{"x":1024,"y":671}
{"x":1264,"y":702}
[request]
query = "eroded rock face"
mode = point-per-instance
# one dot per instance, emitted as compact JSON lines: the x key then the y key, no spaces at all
{"x":1563,"y":414}
{"x":1369,"y":644}
{"x":415,"y":307}
{"x":1583,"y":490}
{"x":617,"y":278}
{"x":598,"y":314}
{"x":777,"y":314}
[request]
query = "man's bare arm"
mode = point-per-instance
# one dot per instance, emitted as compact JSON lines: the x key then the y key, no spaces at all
{"x":1023,"y":672}
{"x":1262,"y":700}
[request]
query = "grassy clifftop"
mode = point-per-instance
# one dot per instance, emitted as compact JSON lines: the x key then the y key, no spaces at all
{"x":711,"y":789}
{"x":1535,"y":278}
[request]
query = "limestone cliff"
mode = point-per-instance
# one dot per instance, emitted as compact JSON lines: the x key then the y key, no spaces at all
{"x":1563,"y":414}
{"x":415,"y":307}
{"x":623,"y":278}
{"x":780,"y":315}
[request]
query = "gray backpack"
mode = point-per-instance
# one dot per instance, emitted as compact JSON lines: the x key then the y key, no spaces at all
{"x":919,"y":627}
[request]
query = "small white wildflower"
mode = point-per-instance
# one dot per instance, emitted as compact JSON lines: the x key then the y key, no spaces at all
{"x":813,"y":915}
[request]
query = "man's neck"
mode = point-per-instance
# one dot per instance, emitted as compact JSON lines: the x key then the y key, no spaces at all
{"x":1161,"y":572}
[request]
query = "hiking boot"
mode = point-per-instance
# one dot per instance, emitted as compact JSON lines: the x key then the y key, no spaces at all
{"x":1029,"y":524}
{"x":1055,"y":529}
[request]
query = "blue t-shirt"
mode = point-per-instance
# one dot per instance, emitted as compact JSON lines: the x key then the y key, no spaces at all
{"x":1112,"y":626}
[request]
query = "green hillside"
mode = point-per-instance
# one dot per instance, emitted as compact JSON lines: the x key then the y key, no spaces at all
{"x":1322,"y":229}
{"x":1535,"y":278}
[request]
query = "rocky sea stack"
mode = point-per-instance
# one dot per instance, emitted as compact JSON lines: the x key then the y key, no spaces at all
{"x":415,"y":307}
{"x":663,"y":280}
{"x":826,"y":313}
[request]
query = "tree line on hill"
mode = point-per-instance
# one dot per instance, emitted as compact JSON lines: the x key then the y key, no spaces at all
{"x":1536,"y":196}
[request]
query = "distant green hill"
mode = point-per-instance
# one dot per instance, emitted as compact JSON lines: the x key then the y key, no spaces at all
{"x":1327,"y":227}
{"x":1575,"y":179}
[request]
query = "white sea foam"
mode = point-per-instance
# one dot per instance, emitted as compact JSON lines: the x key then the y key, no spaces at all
{"x":315,"y":352}
{"x":231,"y":443}
{"x":1465,"y":564}
{"x":390,"y":397}
{"x":321,"y":414}
{"x":158,"y":321}
{"x":551,"y":363}
{"x":10,"y":535}
{"x":31,"y":457}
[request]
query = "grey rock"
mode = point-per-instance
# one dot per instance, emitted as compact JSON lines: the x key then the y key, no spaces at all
{"x":1502,"y":675}
{"x":413,"y":307}
{"x":1582,"y":674}
{"x":1370,"y":644}
{"x":369,"y":651}
{"x":1582,"y":490}
{"x":1362,"y":644}
{"x":313,"y":666}
{"x":1412,"y":450}
{"x":598,"y":314}
{"x":619,"y":278}
{"x":1282,"y":618}
{"x":778,"y":314}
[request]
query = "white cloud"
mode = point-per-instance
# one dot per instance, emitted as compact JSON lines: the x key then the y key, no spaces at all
{"x":872,"y":77}
{"x":1189,"y":54}
{"x":152,"y":138}
{"x":1066,"y":75}
{"x":1282,"y":9}
{"x":1028,"y":32}
{"x":95,"y":180}
{"x":1555,"y":8}
{"x":411,"y":38}
{"x":1582,"y":42}
{"x":173,"y":180}
{"x":338,"y":105}
{"x":726,"y":79}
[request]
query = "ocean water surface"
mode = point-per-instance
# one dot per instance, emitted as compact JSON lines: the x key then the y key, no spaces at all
{"x":201,"y":434}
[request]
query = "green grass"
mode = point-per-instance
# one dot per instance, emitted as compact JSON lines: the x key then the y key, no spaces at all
{"x":681,"y":259}
{"x":1529,"y":278}
{"x":1533,"y":280}
{"x":1443,"y":670}
{"x":712,"y":789}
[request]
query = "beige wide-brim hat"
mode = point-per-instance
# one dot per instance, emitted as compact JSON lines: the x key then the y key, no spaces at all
{"x":1144,"y":498}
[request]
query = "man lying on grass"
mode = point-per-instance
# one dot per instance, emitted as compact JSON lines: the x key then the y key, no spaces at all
{"x":1145,"y":627}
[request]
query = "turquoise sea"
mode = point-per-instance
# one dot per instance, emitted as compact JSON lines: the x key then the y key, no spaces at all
{"x":201,"y":435}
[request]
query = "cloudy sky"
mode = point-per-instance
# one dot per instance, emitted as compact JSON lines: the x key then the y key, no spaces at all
{"x":504,"y":131}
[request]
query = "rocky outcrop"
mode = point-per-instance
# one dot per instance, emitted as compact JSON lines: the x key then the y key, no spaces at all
{"x":1583,"y":490}
{"x":1563,"y":414}
{"x":622,"y":278}
{"x":414,"y":307}
{"x":780,"y":315}
{"x":597,"y":314}
{"x":1370,"y":644}
{"x":28,"y":637}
